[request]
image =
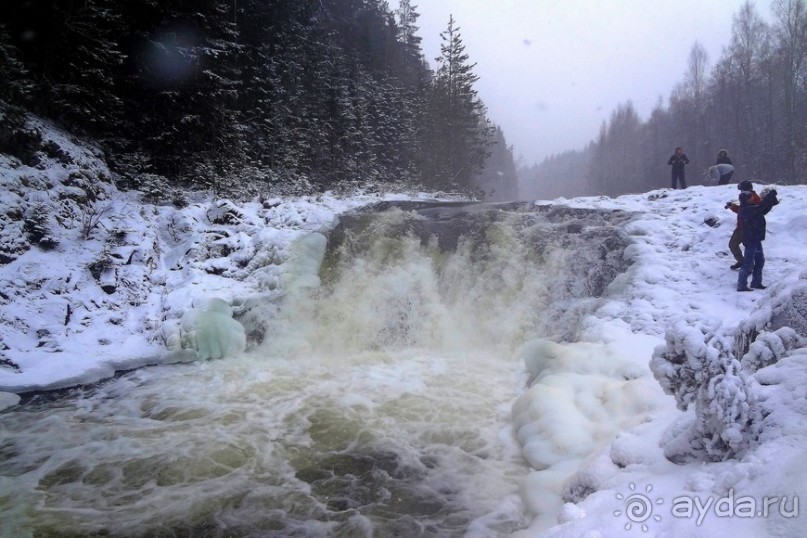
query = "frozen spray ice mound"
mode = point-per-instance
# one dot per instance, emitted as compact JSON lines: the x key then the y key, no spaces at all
{"x":210,"y":331}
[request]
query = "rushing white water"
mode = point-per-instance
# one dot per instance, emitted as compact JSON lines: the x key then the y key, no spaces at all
{"x":377,"y":404}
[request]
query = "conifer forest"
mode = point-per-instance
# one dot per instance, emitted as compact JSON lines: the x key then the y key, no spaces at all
{"x":295,"y":96}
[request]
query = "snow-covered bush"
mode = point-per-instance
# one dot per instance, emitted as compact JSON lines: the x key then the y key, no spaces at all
{"x":91,"y":215}
{"x":17,"y":137}
{"x":155,"y":188}
{"x":728,"y":415}
{"x":769,"y":347}
{"x":695,"y":367}
{"x":588,"y":479}
{"x":789,"y":308}
{"x":37,"y":226}
{"x":786,"y":306}
{"x":101,"y":263}
{"x":12,"y":208}
{"x":685,"y":364}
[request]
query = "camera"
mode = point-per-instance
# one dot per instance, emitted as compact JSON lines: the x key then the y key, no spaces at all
{"x":768,"y":191}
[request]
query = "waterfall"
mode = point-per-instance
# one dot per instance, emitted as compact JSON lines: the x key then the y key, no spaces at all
{"x":374,"y":399}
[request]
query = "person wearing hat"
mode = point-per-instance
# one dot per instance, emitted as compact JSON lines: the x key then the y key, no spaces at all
{"x":737,"y":236}
{"x":723,"y":168}
{"x":723,"y":157}
{"x":753,"y":223}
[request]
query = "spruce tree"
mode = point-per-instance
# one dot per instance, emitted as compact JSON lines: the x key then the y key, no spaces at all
{"x":460,"y":129}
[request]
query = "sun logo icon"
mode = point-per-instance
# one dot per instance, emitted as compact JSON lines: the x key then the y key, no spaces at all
{"x":638,"y":507}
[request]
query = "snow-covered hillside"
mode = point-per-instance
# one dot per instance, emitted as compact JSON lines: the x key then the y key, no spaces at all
{"x":95,"y":280}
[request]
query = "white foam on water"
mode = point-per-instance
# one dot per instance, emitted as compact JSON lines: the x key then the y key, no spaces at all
{"x":378,"y":402}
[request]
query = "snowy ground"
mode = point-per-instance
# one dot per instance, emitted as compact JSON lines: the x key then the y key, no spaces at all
{"x":594,"y":425}
{"x":681,"y":280}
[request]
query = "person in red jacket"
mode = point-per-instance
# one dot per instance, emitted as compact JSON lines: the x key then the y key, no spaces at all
{"x":737,"y":235}
{"x":754,"y":228}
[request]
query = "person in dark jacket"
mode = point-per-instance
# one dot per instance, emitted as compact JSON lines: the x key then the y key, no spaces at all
{"x":725,"y":171}
{"x":753,"y":222}
{"x":737,"y":236}
{"x":678,"y":160}
{"x":723,"y":157}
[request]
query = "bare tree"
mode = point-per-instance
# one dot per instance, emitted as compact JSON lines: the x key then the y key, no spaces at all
{"x":746,"y":125}
{"x":791,"y":45}
{"x":695,"y":88}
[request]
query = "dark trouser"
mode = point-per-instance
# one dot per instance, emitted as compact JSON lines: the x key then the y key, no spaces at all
{"x":734,"y":244}
{"x":679,"y":176}
{"x":724,"y":180}
{"x":754,"y":259}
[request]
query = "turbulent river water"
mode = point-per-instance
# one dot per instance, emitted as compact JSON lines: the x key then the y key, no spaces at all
{"x":374,"y":404}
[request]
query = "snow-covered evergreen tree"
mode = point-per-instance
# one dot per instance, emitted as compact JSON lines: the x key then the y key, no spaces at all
{"x":460,"y":132}
{"x":696,"y":368}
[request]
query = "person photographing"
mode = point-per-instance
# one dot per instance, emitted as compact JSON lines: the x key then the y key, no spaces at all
{"x":754,"y":226}
{"x":737,"y":236}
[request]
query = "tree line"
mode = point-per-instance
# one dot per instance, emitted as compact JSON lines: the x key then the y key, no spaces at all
{"x":213,"y":93}
{"x":753,"y":102}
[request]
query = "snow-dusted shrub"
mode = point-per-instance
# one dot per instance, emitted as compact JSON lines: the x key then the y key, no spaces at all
{"x":155,"y":188}
{"x":12,"y":241}
{"x":786,"y":306}
{"x":769,"y":347}
{"x":790,"y":307}
{"x":37,"y":226}
{"x":728,"y":413}
{"x":588,"y":479}
{"x":694,"y":367}
{"x":91,"y":215}
{"x":17,"y":137}
{"x":101,"y":263}
{"x":685,"y":364}
{"x":54,"y":151}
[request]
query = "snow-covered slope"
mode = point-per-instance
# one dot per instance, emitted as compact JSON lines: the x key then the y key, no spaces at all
{"x":739,"y":445}
{"x":95,"y":280}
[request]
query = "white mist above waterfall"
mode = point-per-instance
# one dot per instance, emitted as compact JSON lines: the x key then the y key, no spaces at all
{"x":509,"y":279}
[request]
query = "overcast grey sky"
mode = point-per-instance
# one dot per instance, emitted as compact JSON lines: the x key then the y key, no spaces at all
{"x":551,"y":71}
